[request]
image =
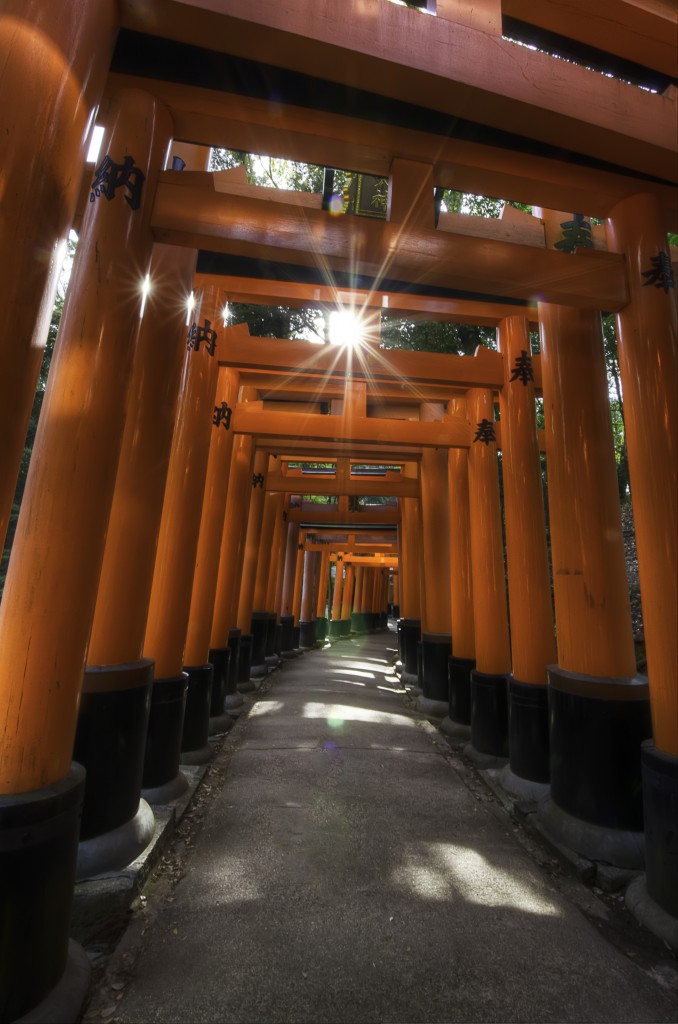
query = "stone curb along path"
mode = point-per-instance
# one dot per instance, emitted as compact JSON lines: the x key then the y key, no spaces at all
{"x":348,"y":865}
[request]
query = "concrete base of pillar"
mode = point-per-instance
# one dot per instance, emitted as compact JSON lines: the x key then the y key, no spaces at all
{"x":457,"y":730}
{"x":618,"y":847}
{"x":65,"y":1001}
{"x":114,"y":850}
{"x":432,"y":708}
{"x":650,"y":914}
{"x":272,"y":662}
{"x":200,"y":756}
{"x":256,"y":672}
{"x":234,"y":700}
{"x":660,"y":806}
{"x":483,"y":760}
{"x":411,"y":682}
{"x":166,"y":793}
{"x":524,"y":789}
{"x":219,"y":724}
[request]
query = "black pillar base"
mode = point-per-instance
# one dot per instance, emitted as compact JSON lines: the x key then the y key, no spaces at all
{"x":344,"y":627}
{"x":335,"y":629}
{"x":528,"y":731}
{"x":297,"y":646}
{"x":436,"y":648}
{"x":163,"y":740}
{"x":38,"y":851}
{"x":194,"y":746}
{"x":220,"y":659}
{"x":307,"y":635}
{"x":596,"y":728}
{"x":65,"y":1001}
{"x":110,"y":743}
{"x":287,"y":643}
{"x":489,"y":713}
{"x":234,"y":636}
{"x":410,"y":634}
{"x":245,"y":663}
{"x":220,"y":720}
{"x":277,"y":639}
{"x":395,"y":611}
{"x":357,"y":622}
{"x":383,"y":620}
{"x":271,"y":627}
{"x":660,"y":799}
{"x":259,"y":627}
{"x":459,"y":683}
{"x":321,"y":627}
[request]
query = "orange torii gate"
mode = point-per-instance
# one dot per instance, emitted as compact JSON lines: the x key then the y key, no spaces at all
{"x":114,"y":599}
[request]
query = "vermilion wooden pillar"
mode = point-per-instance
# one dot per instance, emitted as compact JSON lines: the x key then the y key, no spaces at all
{"x":533,"y":645}
{"x":321,"y":605}
{"x":599,"y":711}
{"x":436,"y":637}
{"x":250,"y":621}
{"x":116,"y":641}
{"x":50,"y":593}
{"x":287,"y":607}
{"x":347,"y":600}
{"x":410,"y":565}
{"x":463,"y":661}
{"x":335,"y":627}
{"x":298,"y":585}
{"x":198,"y":647}
{"x":308,"y":601}
{"x":648,"y":358}
{"x":489,"y":704}
{"x":55,"y":60}
{"x":170,"y":604}
{"x":231,"y":555}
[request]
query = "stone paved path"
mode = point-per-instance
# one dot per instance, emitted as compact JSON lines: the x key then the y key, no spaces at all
{"x":346,"y":873}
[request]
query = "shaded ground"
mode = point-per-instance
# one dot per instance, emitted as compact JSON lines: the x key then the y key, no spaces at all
{"x":348,"y":867}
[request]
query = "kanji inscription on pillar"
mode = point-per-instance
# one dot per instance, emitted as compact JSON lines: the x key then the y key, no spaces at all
{"x":576,"y":234}
{"x":485,"y":432}
{"x":522,"y":371}
{"x":109,"y":176}
{"x":661,"y":275}
{"x":257,"y":480}
{"x":222,"y":415}
{"x":197,"y":335}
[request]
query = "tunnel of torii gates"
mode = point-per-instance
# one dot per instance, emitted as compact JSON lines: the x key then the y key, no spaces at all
{"x":165,"y":555}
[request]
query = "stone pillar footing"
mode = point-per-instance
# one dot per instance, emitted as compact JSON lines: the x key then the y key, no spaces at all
{"x":660,"y":804}
{"x":165,"y":794}
{"x":483,"y":760}
{"x":65,"y":1001}
{"x":523,"y":789}
{"x":411,"y":681}
{"x":619,"y":847}
{"x":431,"y":708}
{"x":457,"y":730}
{"x":219,"y":724}
{"x":114,"y":850}
{"x":201,"y":756}
{"x":663,"y":925}
{"x":233,"y":701}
